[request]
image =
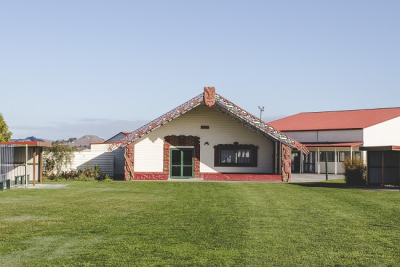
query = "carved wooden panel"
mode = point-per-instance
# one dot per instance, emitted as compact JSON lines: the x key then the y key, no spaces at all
{"x":209,"y":96}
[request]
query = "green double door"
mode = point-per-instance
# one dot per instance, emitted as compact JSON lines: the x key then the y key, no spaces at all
{"x":181,"y":163}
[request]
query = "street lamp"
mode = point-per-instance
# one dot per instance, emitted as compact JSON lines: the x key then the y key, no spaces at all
{"x":261,"y":111}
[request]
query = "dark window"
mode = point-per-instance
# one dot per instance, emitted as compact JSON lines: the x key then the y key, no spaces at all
{"x":235,"y":155}
{"x":330,"y":155}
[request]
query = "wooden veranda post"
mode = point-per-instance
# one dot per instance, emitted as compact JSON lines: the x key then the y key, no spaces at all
{"x":34,"y":166}
{"x":326,"y":165}
{"x":383,"y":168}
{"x":40,"y":164}
{"x":26,"y":165}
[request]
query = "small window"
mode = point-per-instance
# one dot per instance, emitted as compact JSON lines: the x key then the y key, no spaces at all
{"x":343,"y":155}
{"x":329,"y":154}
{"x":235,"y":155}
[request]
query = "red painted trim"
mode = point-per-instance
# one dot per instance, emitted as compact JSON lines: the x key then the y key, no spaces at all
{"x":150,"y":176}
{"x":240,"y":177}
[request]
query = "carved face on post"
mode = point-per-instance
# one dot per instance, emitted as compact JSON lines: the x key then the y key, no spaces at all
{"x":209,"y":96}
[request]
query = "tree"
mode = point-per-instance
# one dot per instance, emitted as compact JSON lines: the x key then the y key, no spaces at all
{"x":5,"y":134}
{"x":57,"y":156}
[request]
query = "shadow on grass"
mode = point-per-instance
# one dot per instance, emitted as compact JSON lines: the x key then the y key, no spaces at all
{"x":347,"y":186}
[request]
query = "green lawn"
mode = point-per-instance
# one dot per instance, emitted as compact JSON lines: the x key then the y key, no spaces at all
{"x":199,"y":224}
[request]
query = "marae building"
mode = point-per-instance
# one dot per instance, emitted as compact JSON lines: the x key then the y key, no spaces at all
{"x":207,"y":137}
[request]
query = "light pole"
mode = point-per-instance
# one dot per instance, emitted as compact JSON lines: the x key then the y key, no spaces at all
{"x":261,"y":111}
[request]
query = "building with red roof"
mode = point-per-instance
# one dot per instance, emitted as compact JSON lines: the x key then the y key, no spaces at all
{"x":335,"y":135}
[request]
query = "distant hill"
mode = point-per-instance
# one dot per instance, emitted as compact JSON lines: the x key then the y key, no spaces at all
{"x":85,"y":141}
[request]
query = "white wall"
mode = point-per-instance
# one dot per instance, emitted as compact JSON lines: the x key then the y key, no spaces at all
{"x":85,"y":159}
{"x":97,"y":155}
{"x":148,"y":151}
{"x":383,"y":134}
{"x":327,"y":136}
{"x":102,"y":147}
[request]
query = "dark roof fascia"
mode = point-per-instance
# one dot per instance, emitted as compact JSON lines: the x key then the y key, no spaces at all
{"x":379,"y":148}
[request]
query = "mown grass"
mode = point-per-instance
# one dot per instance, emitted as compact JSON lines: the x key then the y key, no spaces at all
{"x":199,"y":224}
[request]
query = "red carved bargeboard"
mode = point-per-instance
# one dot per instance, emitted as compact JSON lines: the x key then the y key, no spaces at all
{"x":240,"y":177}
{"x":151,"y":176}
{"x":182,"y":140}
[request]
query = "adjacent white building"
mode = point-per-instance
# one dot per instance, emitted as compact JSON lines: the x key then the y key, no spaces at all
{"x":335,"y":135}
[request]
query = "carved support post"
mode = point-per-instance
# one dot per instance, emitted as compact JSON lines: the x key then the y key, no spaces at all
{"x":286,"y":164}
{"x":129,"y":162}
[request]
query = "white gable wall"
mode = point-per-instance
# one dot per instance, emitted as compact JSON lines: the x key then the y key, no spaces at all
{"x":148,"y":150}
{"x":383,"y":134}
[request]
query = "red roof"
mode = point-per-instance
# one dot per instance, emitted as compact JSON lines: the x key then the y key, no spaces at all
{"x":334,"y":120}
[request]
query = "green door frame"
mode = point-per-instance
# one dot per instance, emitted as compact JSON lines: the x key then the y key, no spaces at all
{"x":181,"y":164}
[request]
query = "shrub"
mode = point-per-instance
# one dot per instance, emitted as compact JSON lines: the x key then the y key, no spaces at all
{"x":57,"y":157}
{"x":86,"y":174}
{"x":354,"y":171}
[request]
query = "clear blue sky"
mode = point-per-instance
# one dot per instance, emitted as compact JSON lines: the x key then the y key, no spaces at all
{"x":69,"y":68}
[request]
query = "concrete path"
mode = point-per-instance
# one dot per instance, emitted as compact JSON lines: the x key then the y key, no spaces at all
{"x":313,"y":177}
{"x":41,"y":186}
